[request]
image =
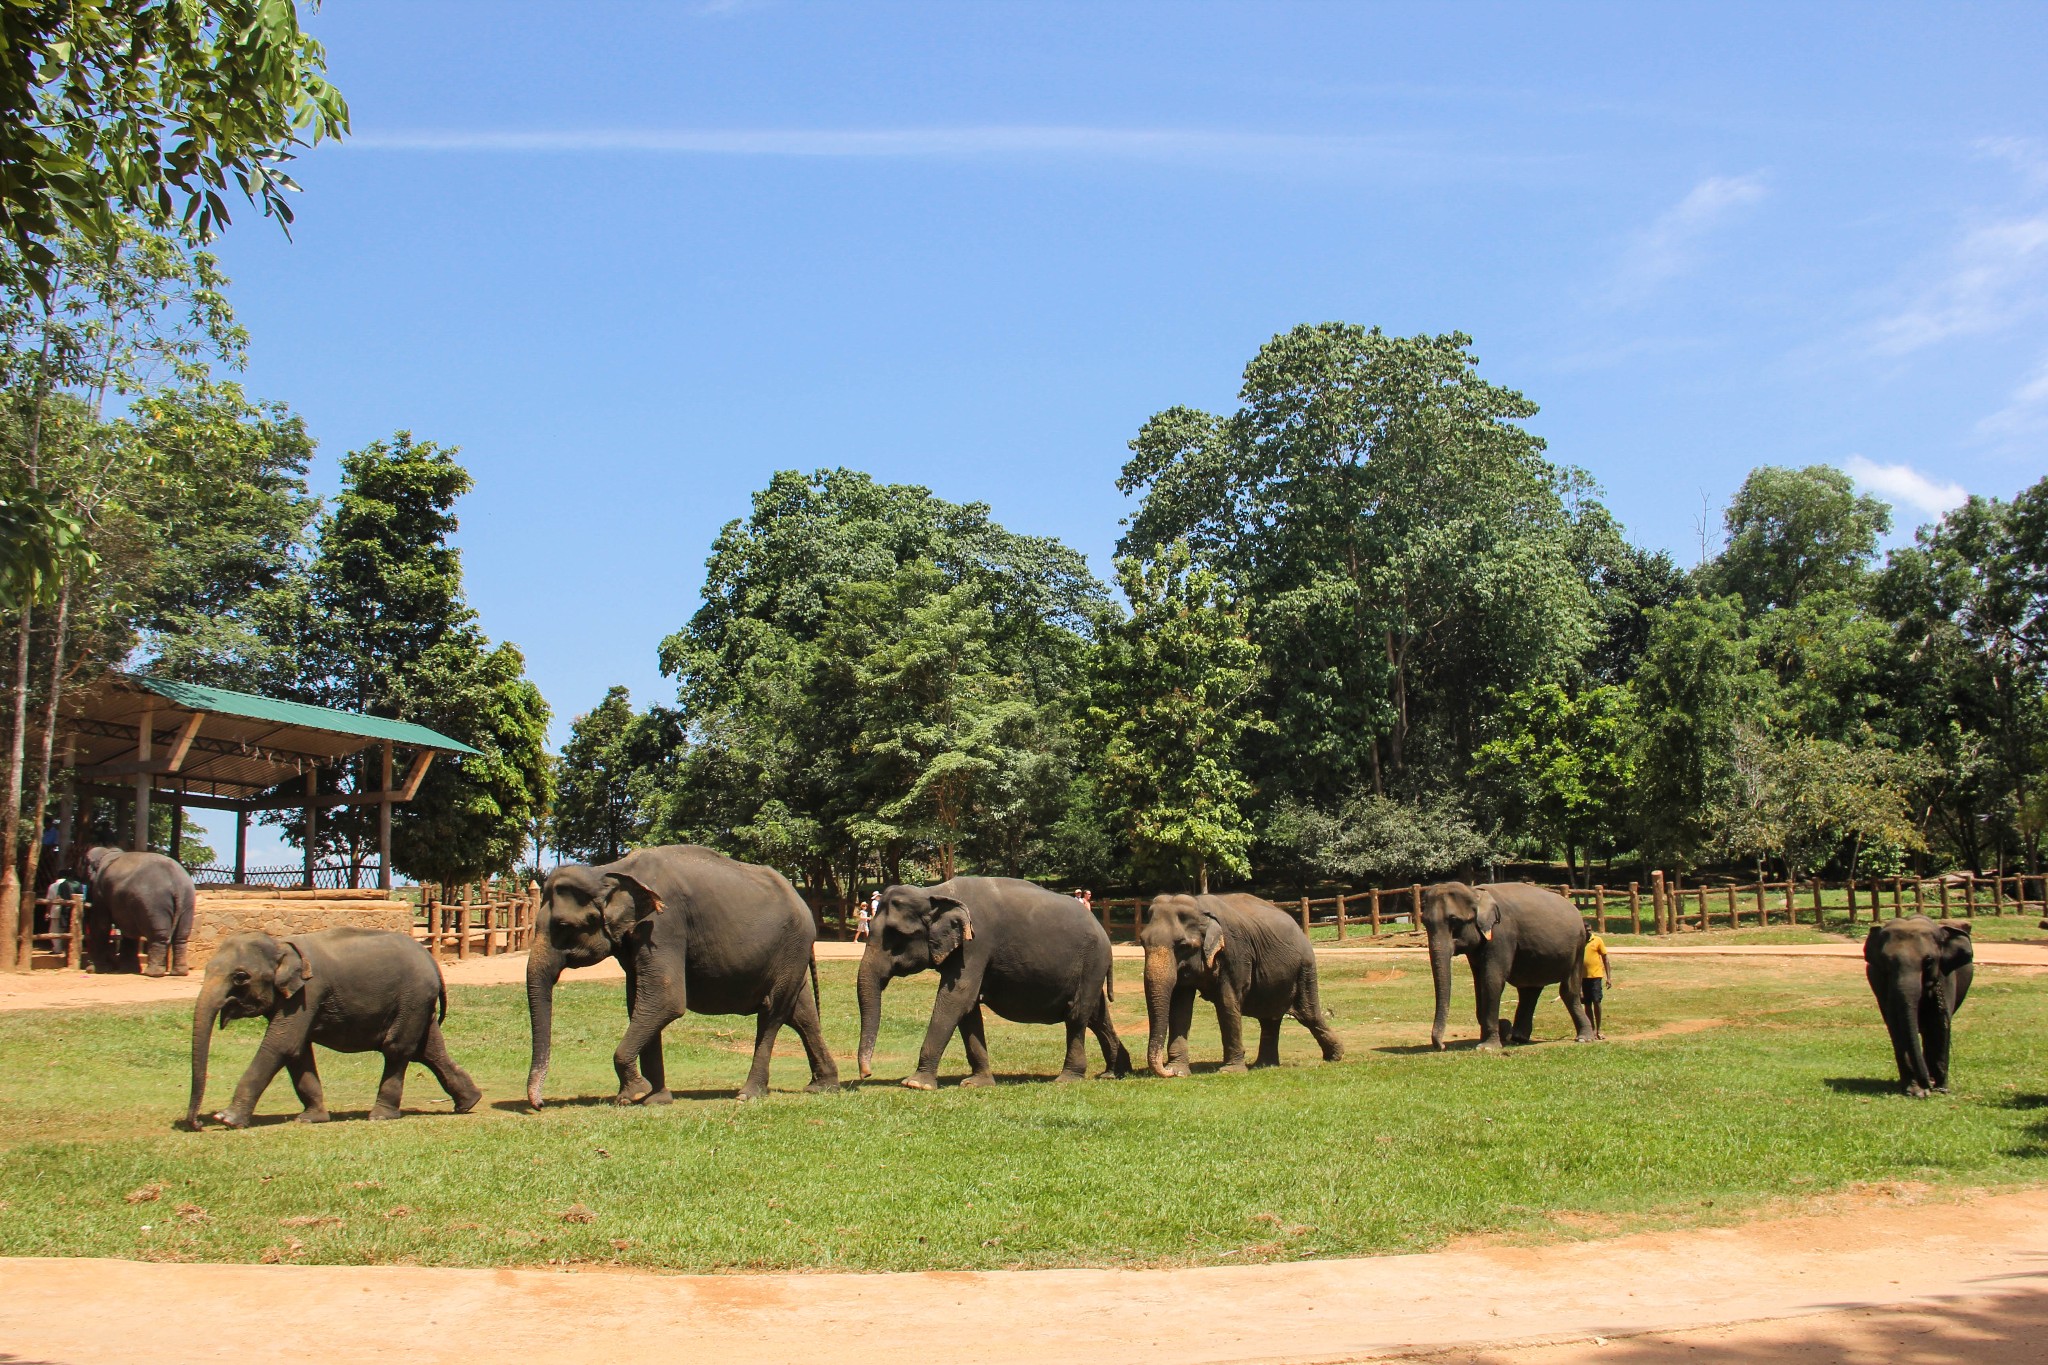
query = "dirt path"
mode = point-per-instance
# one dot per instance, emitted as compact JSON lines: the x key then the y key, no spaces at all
{"x":1886,"y":1280}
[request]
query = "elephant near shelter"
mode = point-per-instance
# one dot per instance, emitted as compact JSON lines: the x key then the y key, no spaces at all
{"x":148,"y":897}
{"x":1513,"y":934}
{"x":695,"y":931}
{"x":1245,"y":954}
{"x":349,"y":990}
{"x":1031,"y":955}
{"x":1920,"y":970}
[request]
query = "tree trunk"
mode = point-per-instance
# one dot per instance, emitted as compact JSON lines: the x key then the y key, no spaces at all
{"x":17,"y":753}
{"x":59,"y":637}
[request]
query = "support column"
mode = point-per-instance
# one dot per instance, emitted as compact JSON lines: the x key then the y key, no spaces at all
{"x":241,"y":847}
{"x":384,"y":821}
{"x":312,"y":820}
{"x":145,"y":737}
{"x":177,"y":831}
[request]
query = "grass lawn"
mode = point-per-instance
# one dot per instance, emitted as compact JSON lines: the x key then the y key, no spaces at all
{"x":1730,"y":1086}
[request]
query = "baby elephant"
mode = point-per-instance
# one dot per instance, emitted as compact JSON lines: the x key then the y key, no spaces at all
{"x":352,"y":990}
{"x":1920,"y":971}
{"x":1247,"y":955}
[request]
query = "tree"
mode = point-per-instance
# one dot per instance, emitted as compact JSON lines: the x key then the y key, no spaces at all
{"x":1689,"y":694}
{"x":1792,"y":532}
{"x":384,"y":629}
{"x":1561,"y":766}
{"x":597,"y":815}
{"x":1400,"y":542}
{"x":150,"y":108}
{"x":1174,"y":694}
{"x":1799,"y":800}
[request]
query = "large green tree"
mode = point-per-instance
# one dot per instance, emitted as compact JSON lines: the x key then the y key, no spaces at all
{"x":1794,"y":532}
{"x":1697,"y":675}
{"x":1561,"y":767}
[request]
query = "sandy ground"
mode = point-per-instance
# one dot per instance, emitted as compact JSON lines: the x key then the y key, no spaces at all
{"x":1886,"y":1279}
{"x":71,"y":990}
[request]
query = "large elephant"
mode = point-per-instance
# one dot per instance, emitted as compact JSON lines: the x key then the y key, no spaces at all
{"x":695,"y":930}
{"x":351,"y":990}
{"x":1920,"y":970}
{"x":148,"y":897}
{"x":1031,"y":955}
{"x":1513,"y":934}
{"x":1246,"y":955}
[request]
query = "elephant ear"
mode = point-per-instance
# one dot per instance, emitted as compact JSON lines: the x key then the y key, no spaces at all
{"x":1957,"y":951}
{"x":1485,"y":913}
{"x":627,"y":903}
{"x":950,"y":927}
{"x":1212,"y":940}
{"x":293,"y":970}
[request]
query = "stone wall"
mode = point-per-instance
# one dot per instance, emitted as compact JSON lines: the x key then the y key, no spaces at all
{"x":221,"y":913}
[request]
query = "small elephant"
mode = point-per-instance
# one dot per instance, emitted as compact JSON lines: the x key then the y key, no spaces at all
{"x":148,"y":897}
{"x":352,"y":990}
{"x":1029,"y":954}
{"x":1920,"y":970}
{"x":1513,"y":934}
{"x":1246,"y":955}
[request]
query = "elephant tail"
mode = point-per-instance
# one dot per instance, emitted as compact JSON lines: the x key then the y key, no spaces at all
{"x":441,"y":983}
{"x":1109,"y":983}
{"x":817,"y":1001}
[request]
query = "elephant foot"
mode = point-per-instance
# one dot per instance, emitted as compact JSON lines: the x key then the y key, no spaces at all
{"x":1236,"y":1068}
{"x":634,"y":1091}
{"x":824,"y":1085}
{"x":383,"y":1114}
{"x":1182,"y":1069}
{"x":1262,"y":1064}
{"x":313,"y":1116}
{"x":976,"y":1080}
{"x":750,"y":1092}
{"x":153,"y":970}
{"x":231,"y":1119}
{"x":1490,"y":1045}
{"x":469,"y":1100}
{"x":921,"y":1081}
{"x":1069,"y":1077}
{"x":1334,"y":1052}
{"x":661,"y":1096}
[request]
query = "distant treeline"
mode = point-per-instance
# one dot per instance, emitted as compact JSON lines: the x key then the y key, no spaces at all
{"x":1368,"y":632}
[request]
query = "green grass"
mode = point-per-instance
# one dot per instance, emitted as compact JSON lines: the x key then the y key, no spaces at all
{"x":1729,"y":1087}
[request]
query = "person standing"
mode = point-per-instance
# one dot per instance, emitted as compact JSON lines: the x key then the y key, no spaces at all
{"x":1599,"y":971}
{"x":861,"y":913}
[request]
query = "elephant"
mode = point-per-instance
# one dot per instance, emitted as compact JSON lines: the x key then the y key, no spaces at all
{"x":695,"y":930}
{"x":1031,"y":955}
{"x":1514,"y":934}
{"x":1920,"y":970}
{"x":148,"y":897}
{"x":351,"y":990}
{"x":1249,"y":957}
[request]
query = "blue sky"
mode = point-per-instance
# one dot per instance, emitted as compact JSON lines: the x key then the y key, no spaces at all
{"x":633,"y":258}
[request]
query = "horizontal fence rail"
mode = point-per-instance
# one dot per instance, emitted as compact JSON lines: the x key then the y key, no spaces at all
{"x":484,"y":918}
{"x":326,"y":876}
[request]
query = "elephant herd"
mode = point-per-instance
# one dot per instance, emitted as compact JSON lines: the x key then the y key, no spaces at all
{"x":697,"y":931}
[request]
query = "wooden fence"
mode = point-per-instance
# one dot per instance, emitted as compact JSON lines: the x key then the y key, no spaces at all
{"x":1665,"y":908}
{"x":485,"y":918}
{"x":62,"y":934}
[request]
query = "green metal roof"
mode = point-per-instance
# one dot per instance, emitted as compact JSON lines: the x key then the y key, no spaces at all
{"x":220,"y":701}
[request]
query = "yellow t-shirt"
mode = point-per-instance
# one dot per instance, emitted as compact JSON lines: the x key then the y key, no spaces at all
{"x":1596,"y":957}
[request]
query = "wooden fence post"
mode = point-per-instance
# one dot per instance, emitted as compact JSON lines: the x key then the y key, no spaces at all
{"x":1373,"y":908}
{"x":1763,"y":914}
{"x":1635,"y":908}
{"x":1819,"y":892}
{"x":1304,"y":916}
{"x":1943,"y":885}
{"x":1734,"y":914}
{"x":1340,"y":917}
{"x":1850,"y":887}
{"x":1791,"y":900}
{"x":1702,"y":893}
{"x":1657,"y":898}
{"x":462,"y":922}
{"x":1415,"y":906}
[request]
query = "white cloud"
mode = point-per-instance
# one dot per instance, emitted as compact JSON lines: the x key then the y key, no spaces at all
{"x":1901,"y":483}
{"x":1672,"y":245}
{"x":1995,"y":276}
{"x":2026,"y":412}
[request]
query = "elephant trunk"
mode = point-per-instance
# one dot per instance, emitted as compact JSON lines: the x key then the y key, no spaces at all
{"x":874,"y":975}
{"x":1161,"y":976}
{"x":1440,"y":973}
{"x":543,"y":969}
{"x":204,"y":1013}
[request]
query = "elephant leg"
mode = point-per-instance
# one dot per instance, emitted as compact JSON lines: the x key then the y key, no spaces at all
{"x":956,"y":1001}
{"x":1308,"y":1010}
{"x":652,"y":1064}
{"x":306,"y":1080}
{"x":811,"y":1030}
{"x":1572,"y":990}
{"x":129,"y":959}
{"x":1934,"y":1038}
{"x":1230,"y":1022}
{"x":654,"y":1009}
{"x":180,"y":960}
{"x":271,"y":1054}
{"x":1526,"y":1000}
{"x":1896,"y":1027}
{"x":1076,"y":1067}
{"x":974,"y":1041}
{"x":181,"y":937}
{"x":159,"y":954}
{"x":1180,"y":1021}
{"x":434,"y":1057}
{"x":391,"y":1090}
{"x":767,"y":1024}
{"x":1269,"y":1042}
{"x":1116,"y":1058}
{"x":1489,"y":981}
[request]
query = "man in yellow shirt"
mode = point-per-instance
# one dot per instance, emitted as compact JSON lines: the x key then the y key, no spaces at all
{"x":1598,"y":972}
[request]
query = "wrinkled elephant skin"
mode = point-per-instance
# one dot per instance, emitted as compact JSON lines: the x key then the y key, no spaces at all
{"x":1248,"y":957}
{"x":148,"y":897}
{"x":1513,"y":934}
{"x":1919,"y":969}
